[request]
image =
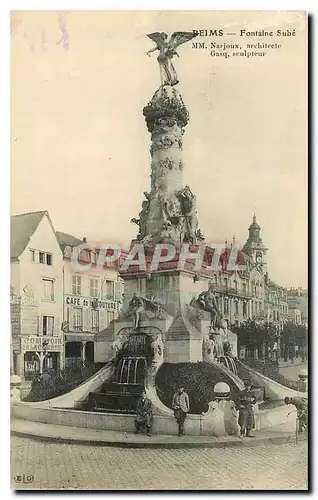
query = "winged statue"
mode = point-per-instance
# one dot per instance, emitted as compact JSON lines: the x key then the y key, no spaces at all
{"x":167,"y":50}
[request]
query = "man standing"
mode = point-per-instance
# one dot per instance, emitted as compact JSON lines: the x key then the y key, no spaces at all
{"x":301,"y":405}
{"x":181,"y":406}
{"x":246,"y":415}
{"x":143,"y":420}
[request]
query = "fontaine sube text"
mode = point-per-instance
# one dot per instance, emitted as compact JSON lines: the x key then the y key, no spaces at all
{"x":145,"y":259}
{"x":245,"y":33}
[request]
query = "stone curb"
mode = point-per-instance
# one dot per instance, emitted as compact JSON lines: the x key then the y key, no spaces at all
{"x":151,"y":442}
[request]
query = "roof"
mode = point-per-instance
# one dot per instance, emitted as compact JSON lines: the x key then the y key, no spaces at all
{"x":67,"y":240}
{"x":272,"y":284}
{"x":22,"y":228}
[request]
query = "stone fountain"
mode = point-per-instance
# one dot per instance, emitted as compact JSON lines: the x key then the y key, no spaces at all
{"x":170,"y":313}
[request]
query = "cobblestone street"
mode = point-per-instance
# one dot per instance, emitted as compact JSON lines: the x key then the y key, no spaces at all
{"x":64,"y":466}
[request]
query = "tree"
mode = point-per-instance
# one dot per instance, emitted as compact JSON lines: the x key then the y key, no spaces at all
{"x":248,"y":333}
{"x":254,"y":335}
{"x":293,"y":335}
{"x":269,"y":334}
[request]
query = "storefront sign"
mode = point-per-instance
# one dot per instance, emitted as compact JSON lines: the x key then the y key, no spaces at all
{"x":34,"y":343}
{"x":73,"y":300}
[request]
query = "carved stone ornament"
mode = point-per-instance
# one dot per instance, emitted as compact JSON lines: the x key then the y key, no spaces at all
{"x":208,"y":348}
{"x":164,"y":143}
{"x":166,"y":105}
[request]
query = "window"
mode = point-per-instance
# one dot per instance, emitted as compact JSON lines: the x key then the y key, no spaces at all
{"x":226,"y":306}
{"x":47,"y":325}
{"x":77,"y":319}
{"x":110,"y":316}
{"x":110,"y":289}
{"x":76,"y":285}
{"x":95,"y":320}
{"x":45,"y":258}
{"x":244,"y":288}
{"x":236,"y":307}
{"x":93,"y":287}
{"x":93,"y":257}
{"x":244,"y":309}
{"x":48,"y":289}
{"x":32,"y":255}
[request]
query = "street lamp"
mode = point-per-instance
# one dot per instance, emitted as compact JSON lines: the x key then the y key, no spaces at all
{"x":44,"y":354}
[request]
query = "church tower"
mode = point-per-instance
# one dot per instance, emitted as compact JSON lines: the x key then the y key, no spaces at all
{"x":254,"y":246}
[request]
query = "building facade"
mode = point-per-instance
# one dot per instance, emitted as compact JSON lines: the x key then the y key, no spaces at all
{"x":55,"y":310}
{"x":92,"y":298}
{"x":276,"y":304}
{"x":249,"y":294}
{"x":298,"y":305}
{"x":36,"y":295}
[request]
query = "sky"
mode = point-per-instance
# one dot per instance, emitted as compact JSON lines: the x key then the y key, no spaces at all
{"x":80,"y":146}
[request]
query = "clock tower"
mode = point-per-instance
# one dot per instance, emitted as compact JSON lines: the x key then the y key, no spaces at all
{"x":254,"y":246}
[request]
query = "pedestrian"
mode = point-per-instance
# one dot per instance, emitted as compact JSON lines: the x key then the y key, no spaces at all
{"x":285,"y":353}
{"x":47,"y":383}
{"x":301,"y":405}
{"x":180,"y":406}
{"x":144,"y":417}
{"x":246,"y":419}
{"x":292,"y":353}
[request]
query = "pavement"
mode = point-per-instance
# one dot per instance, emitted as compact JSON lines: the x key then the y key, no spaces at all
{"x":291,"y":370}
{"x":61,"y":466}
{"x":65,"y":434}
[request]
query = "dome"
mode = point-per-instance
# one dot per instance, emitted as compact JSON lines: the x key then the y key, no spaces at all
{"x":254,"y":224}
{"x":221,"y":388}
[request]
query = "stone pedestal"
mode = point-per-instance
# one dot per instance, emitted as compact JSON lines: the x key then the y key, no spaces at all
{"x":303,"y":381}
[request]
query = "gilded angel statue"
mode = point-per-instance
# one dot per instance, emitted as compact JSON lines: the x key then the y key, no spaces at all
{"x":167,"y":50}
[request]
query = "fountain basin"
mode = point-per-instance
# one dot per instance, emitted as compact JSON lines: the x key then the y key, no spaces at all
{"x":195,"y":425}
